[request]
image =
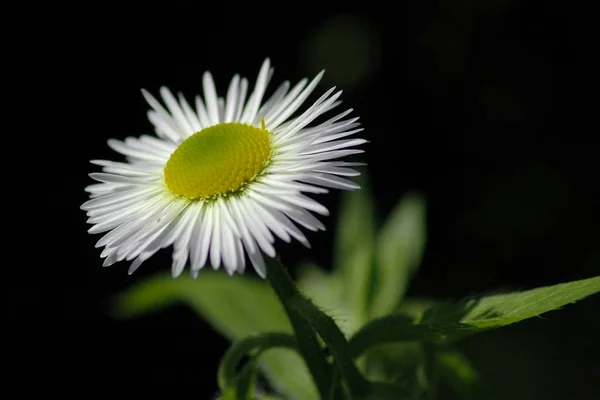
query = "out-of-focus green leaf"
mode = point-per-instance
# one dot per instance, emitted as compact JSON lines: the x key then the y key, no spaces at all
{"x":397,"y":363}
{"x":354,"y":248}
{"x":236,"y":306}
{"x":326,"y":292}
{"x":458,"y":373}
{"x":414,"y":307}
{"x":400,"y":245}
{"x":452,"y":321}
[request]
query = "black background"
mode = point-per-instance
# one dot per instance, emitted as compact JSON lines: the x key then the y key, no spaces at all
{"x":474,"y":104}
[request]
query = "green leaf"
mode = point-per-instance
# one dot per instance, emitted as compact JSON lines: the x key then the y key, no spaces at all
{"x":452,"y":321}
{"x":396,"y":363}
{"x":236,"y":306}
{"x":457,"y":372}
{"x":354,"y":248}
{"x":326,"y":291}
{"x":400,"y":246}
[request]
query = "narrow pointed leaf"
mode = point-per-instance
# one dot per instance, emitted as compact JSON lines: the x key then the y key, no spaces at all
{"x":354,"y":248}
{"x":326,"y":291}
{"x":398,"y":253}
{"x":452,"y":321}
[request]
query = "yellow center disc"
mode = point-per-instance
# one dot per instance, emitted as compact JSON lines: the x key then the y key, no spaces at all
{"x":217,"y":161}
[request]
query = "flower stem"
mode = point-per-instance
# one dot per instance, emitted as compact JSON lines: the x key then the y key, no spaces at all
{"x":307,"y":342}
{"x":300,"y":308}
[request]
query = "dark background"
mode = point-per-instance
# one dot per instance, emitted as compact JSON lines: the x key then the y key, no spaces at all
{"x":475,"y":104}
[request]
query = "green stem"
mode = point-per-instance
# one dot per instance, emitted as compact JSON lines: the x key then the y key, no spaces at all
{"x":308,"y":344}
{"x":431,"y":371}
{"x":253,"y":346}
{"x":298,"y":306}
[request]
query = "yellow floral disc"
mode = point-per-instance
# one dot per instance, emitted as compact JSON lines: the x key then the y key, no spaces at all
{"x":218,"y":160}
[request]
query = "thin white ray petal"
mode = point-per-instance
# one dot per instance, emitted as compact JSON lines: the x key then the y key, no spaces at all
{"x":270,"y":222}
{"x":210,"y":97}
{"x":228,"y":249}
{"x":163,"y":128}
{"x":336,"y":136}
{"x":112,"y":178}
{"x":237,"y":215}
{"x":259,"y":232}
{"x":249,"y":114}
{"x":241,"y":99}
{"x":221,"y":107}
{"x":290,"y":184}
{"x":329,"y":155}
{"x":160,"y":110}
{"x":185,"y":129}
{"x":290,"y":227}
{"x":306,"y":202}
{"x":306,"y":219}
{"x":118,"y":197}
{"x":289,"y":110}
{"x":227,"y":218}
{"x":232,"y":99}
{"x":258,"y":263}
{"x":256,"y":195}
{"x":128,"y":168}
{"x":336,"y":145}
{"x":122,"y":148}
{"x":331,"y":181}
{"x":215,"y":243}
{"x":274,"y":100}
{"x":306,"y":118}
{"x":240,"y":256}
{"x":200,"y":240}
{"x":202,"y":113}
{"x":119,"y":231}
{"x":160,"y":147}
{"x":337,"y":171}
{"x":276,"y":111}
{"x":190,"y":115}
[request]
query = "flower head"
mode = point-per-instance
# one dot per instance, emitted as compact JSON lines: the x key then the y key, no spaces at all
{"x":220,"y":181}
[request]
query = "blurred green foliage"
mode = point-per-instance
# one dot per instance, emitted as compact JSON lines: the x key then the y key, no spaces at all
{"x":409,"y":342}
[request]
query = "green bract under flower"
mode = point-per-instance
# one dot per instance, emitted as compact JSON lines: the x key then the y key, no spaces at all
{"x":218,"y":161}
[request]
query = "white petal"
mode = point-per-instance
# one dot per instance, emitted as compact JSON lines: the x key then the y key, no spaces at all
{"x":202,"y":113}
{"x":200,"y":239}
{"x":241,"y":99}
{"x":210,"y":96}
{"x":306,"y":219}
{"x":190,"y":115}
{"x":232,"y":99}
{"x":240,"y":256}
{"x":215,"y":244}
{"x":236,"y":213}
{"x":258,"y":262}
{"x":259,"y":232}
{"x":249,"y":114}
{"x":185,"y":129}
{"x":306,"y":202}
{"x":332,"y":181}
{"x":269,"y":221}
{"x":228,"y":250}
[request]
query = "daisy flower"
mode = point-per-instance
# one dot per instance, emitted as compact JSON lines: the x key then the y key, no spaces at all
{"x":221,"y":181}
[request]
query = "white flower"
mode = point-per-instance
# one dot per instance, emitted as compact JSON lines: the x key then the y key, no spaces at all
{"x":222,"y":180}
